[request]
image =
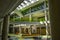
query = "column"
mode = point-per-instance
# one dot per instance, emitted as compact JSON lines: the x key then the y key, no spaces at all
{"x":13,"y":28}
{"x":5,"y":28}
{"x":54,"y":10}
{"x":30,"y":18}
{"x":19,"y":29}
{"x":1,"y":27}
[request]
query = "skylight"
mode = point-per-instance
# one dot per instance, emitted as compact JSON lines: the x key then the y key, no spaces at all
{"x":26,"y":3}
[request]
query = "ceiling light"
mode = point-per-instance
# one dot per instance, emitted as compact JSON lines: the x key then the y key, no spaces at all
{"x":28,"y":4}
{"x":18,"y":8}
{"x":25,"y":1}
{"x":32,"y":1}
{"x":23,"y":4}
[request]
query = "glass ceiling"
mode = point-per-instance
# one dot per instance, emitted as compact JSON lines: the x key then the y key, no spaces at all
{"x":26,"y":3}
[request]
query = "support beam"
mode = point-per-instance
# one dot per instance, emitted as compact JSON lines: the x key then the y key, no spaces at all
{"x":54,"y":9}
{"x":5,"y":28}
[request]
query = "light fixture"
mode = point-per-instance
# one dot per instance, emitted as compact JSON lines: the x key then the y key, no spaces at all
{"x":48,"y":21}
{"x":18,"y":8}
{"x":32,"y":1}
{"x":41,"y":22}
{"x":28,"y":4}
{"x":25,"y":1}
{"x":23,"y":4}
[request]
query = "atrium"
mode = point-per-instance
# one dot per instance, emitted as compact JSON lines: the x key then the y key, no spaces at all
{"x":29,"y":20}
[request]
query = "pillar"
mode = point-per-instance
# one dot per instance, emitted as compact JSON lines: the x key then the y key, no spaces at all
{"x":1,"y":27}
{"x":13,"y":28}
{"x":19,"y":29}
{"x":54,"y":10}
{"x":30,"y":18}
{"x":5,"y":28}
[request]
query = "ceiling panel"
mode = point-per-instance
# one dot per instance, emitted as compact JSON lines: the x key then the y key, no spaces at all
{"x":6,"y":6}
